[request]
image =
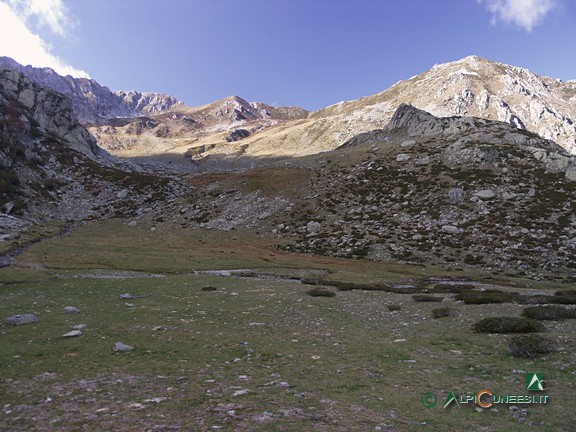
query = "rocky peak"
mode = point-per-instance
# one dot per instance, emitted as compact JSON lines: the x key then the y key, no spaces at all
{"x":472,"y":86}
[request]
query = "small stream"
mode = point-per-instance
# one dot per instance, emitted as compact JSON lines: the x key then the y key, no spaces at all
{"x":9,"y":257}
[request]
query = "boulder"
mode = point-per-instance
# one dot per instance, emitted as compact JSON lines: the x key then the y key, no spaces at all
{"x":485,"y":194}
{"x":451,"y":229}
{"x":403,"y":157}
{"x":70,"y":310}
{"x":456,"y":195}
{"x":313,"y":227}
{"x":73,"y":333}
{"x":22,"y":319}
{"x":122,"y":347}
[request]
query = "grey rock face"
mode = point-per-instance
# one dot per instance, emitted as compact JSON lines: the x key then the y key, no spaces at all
{"x":48,"y":110}
{"x":22,"y":319}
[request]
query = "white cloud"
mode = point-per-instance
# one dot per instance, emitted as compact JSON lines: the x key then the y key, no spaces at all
{"x":524,"y":13}
{"x":19,"y":42}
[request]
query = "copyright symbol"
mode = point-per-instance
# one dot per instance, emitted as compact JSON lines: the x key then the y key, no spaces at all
{"x":429,"y":400}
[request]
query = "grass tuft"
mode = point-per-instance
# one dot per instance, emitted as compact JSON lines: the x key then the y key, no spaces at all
{"x":321,"y":292}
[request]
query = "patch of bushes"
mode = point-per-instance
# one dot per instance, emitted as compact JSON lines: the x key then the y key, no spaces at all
{"x":427,"y":298}
{"x":394,"y":307}
{"x":209,"y":288}
{"x":443,"y":312}
{"x":549,"y":312}
{"x":529,"y":345}
{"x":350,"y":286}
{"x":321,"y":292}
{"x":508,"y":325}
{"x":487,"y":297}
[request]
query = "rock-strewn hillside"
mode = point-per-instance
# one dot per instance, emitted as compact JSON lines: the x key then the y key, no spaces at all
{"x":92,"y":102}
{"x":460,"y":190}
{"x":51,"y":167}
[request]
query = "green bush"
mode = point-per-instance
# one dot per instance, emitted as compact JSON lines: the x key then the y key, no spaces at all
{"x":451,"y":288}
{"x":508,"y":325}
{"x":549,"y":312}
{"x":427,"y":298}
{"x":209,"y":288}
{"x":487,"y":296}
{"x":443,"y":312}
{"x":394,"y":307}
{"x":529,"y":345}
{"x":564,"y":297}
{"x":321,"y":292}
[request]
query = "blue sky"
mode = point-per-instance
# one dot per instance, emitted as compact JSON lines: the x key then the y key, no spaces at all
{"x":308,"y":53}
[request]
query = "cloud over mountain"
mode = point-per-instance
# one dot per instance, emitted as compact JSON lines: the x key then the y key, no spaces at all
{"x":526,"y":14}
{"x":21,"y":20}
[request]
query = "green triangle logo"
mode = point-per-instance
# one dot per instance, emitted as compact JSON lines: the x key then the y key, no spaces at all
{"x":535,"y":381}
{"x":449,"y":399}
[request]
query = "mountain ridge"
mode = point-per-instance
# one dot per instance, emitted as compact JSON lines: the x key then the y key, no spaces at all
{"x":91,"y":101}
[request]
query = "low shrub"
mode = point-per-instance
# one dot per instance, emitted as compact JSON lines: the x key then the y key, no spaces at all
{"x":443,"y":312}
{"x":508,"y":325}
{"x":209,"y":288}
{"x":321,"y":292}
{"x":487,"y":296}
{"x":549,"y":312}
{"x":427,"y":298}
{"x":451,"y":288}
{"x":564,"y":297}
{"x":394,"y":307}
{"x":529,"y":345}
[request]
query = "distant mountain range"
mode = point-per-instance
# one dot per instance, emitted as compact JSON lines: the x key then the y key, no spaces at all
{"x":472,"y":86}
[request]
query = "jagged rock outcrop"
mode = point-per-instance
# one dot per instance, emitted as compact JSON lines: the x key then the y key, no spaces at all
{"x":92,"y":102}
{"x":27,"y":108}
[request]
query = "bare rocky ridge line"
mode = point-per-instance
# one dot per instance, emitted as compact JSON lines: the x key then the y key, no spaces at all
{"x":91,"y":102}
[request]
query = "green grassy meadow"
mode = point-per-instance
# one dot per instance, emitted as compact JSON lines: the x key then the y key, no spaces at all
{"x":258,"y":353}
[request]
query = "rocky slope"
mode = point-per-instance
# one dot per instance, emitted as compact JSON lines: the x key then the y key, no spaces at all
{"x":91,"y":102}
{"x":51,"y":167}
{"x":462,"y":191}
